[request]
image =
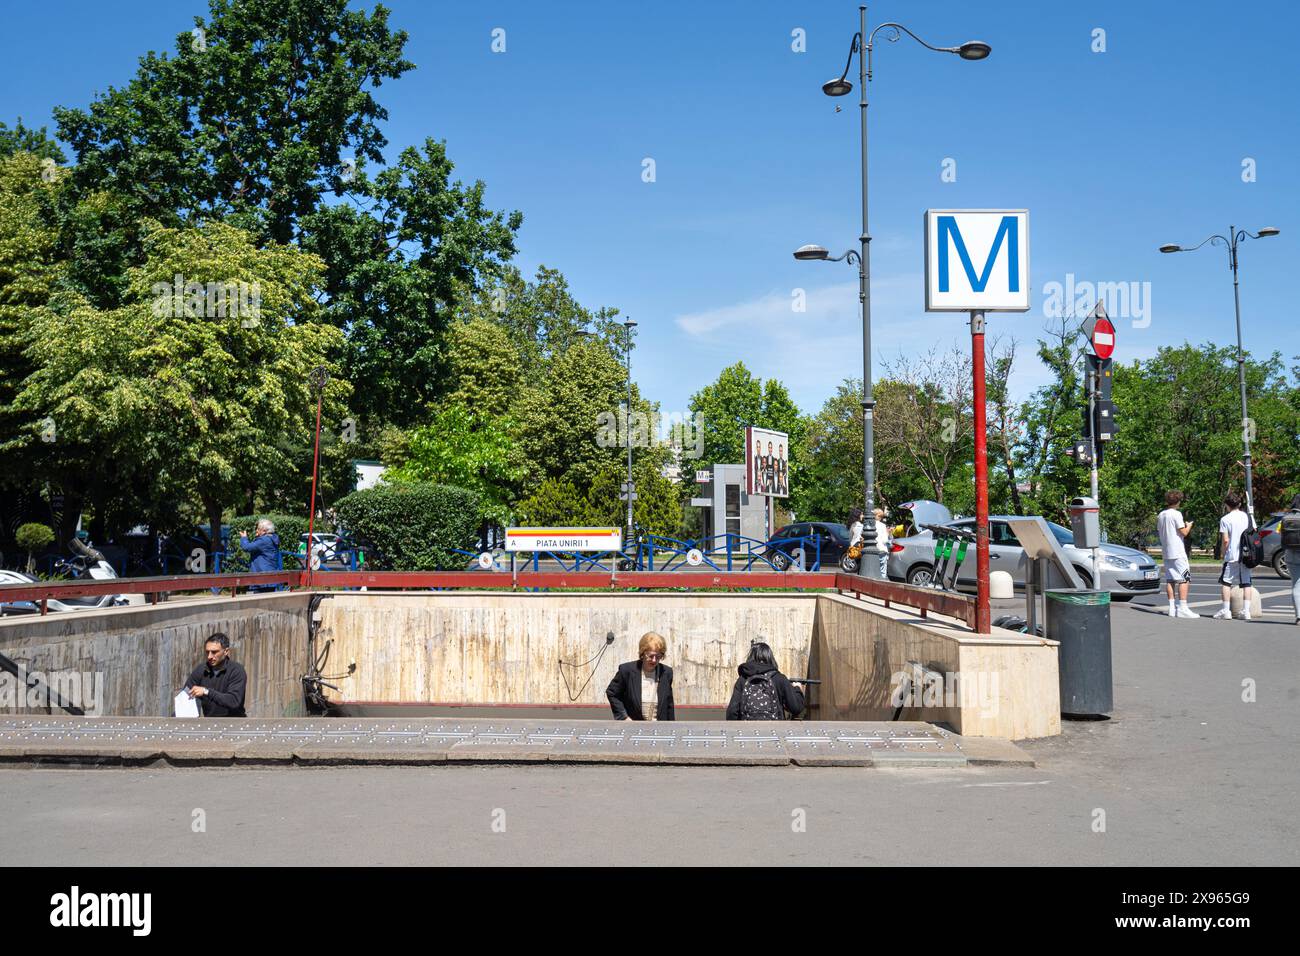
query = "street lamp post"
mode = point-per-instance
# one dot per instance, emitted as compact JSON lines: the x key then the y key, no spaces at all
{"x":971,"y":50}
{"x":1235,"y":236}
{"x":629,"y":325}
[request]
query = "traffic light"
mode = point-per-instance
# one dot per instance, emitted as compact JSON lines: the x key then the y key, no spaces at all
{"x":1099,"y":370}
{"x":1103,"y":419}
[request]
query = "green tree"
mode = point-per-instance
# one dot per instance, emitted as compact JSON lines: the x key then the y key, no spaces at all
{"x":555,"y":503}
{"x":173,"y":393}
{"x":263,"y":115}
{"x":461,"y":448}
{"x":485,"y":370}
{"x":542,"y":318}
{"x":1179,"y":426}
{"x":24,"y":139}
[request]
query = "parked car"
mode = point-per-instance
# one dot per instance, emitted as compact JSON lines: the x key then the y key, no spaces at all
{"x":1269,"y":535}
{"x":822,"y":543}
{"x":1125,"y":572}
{"x":326,"y":546}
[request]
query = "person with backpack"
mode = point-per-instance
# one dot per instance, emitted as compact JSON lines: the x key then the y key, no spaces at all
{"x":1233,"y":529}
{"x":1289,"y":528}
{"x":762,"y":692}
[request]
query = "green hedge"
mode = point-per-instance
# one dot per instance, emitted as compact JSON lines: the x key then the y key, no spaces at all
{"x":290,"y":528}
{"x":411,"y":527}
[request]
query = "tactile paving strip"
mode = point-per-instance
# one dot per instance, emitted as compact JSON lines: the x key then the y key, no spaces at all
{"x":422,"y":740}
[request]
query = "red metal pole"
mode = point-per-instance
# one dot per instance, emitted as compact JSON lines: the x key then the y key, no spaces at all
{"x":315,"y":467}
{"x":983,"y":623}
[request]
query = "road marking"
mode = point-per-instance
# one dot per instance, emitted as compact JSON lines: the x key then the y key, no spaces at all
{"x":1009,"y":783}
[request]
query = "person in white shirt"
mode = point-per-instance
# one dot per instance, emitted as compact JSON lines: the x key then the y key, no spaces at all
{"x":1232,"y":526}
{"x":1178,"y":572}
{"x":882,"y":542}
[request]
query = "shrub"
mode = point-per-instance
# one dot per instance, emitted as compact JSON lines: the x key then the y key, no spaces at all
{"x":411,"y":527}
{"x":290,"y":529}
{"x":33,"y":537}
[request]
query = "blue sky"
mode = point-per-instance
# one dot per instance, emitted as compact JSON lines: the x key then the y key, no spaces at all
{"x":1112,"y":152}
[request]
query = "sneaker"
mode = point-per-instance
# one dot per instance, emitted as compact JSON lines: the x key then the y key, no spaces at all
{"x":1186,"y":611}
{"x":1222,"y":614}
{"x":1245,"y":615}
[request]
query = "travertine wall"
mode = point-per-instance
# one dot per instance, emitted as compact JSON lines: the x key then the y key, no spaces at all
{"x":1006,"y":683}
{"x":492,"y":648}
{"x":505,"y":648}
{"x":144,"y":653}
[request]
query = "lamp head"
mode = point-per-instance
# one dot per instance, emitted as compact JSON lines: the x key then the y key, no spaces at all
{"x":974,"y":50}
{"x":837,"y":87}
{"x":1268,"y":231}
{"x":1171,"y":247}
{"x":811,"y":252}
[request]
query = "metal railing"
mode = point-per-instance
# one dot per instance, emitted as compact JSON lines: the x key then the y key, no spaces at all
{"x":925,"y":600}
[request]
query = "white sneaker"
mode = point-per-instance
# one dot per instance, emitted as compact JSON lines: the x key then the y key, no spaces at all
{"x":1186,"y":611}
{"x":1245,"y":615}
{"x":1222,"y":614}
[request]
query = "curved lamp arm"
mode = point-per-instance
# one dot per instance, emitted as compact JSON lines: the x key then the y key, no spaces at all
{"x":894,"y":38}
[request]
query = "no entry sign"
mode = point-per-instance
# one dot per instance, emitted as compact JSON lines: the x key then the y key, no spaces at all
{"x":1103,"y":338}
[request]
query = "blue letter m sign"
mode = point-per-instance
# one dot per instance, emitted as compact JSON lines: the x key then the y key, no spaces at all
{"x":1007,"y":230}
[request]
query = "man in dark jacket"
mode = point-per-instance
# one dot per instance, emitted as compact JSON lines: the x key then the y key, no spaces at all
{"x":218,"y":684}
{"x":762,"y":692}
{"x":263,"y":552}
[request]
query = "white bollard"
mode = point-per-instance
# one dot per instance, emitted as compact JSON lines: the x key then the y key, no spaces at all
{"x":1235,"y":603}
{"x":1001,"y":586}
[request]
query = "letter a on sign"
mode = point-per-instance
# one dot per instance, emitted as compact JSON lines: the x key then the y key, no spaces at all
{"x":977,"y":260}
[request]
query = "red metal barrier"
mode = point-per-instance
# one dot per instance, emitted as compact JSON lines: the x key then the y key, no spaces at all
{"x":957,"y":606}
{"x":589,"y":580}
{"x":167,"y":584}
{"x":950,"y":604}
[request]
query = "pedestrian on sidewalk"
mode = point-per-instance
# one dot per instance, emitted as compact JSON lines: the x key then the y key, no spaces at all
{"x":1173,"y":531}
{"x":1290,"y":531}
{"x":1232,"y":526}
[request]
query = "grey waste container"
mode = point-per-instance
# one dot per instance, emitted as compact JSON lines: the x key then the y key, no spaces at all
{"x":1080,"y":621}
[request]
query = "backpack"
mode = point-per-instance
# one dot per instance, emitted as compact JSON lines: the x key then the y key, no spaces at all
{"x":1252,"y":549}
{"x":760,"y":700}
{"x":1290,"y":529}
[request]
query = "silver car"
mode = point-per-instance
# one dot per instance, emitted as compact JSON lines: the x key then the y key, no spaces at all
{"x":1125,"y":572}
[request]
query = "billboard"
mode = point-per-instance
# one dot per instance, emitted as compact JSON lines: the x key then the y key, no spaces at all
{"x":976,"y":260}
{"x":767,"y":462}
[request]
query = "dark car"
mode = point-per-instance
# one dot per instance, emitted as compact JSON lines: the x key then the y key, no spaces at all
{"x":1269,"y":535}
{"x":822,"y":544}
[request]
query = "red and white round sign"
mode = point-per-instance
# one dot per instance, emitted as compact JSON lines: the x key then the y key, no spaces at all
{"x":1103,"y":338}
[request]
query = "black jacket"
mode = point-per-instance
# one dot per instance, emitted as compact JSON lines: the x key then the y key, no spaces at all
{"x":225,"y":696}
{"x":791,"y":697}
{"x":624,"y":692}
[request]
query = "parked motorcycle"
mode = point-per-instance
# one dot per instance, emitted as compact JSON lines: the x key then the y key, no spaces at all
{"x":88,"y":559}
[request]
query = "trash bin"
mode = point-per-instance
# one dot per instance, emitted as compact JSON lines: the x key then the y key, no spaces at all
{"x":1080,"y":622}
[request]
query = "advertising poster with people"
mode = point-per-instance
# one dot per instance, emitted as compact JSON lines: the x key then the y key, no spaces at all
{"x":767,"y":462}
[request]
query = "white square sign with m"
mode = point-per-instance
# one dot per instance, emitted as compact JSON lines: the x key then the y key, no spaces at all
{"x":977,"y":260}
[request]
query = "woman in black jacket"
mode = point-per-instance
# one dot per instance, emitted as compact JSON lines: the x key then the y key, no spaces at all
{"x":762,"y":692}
{"x":643,"y":689}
